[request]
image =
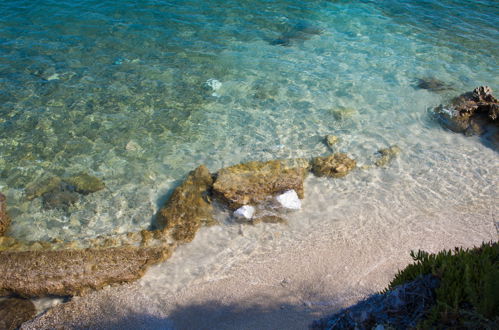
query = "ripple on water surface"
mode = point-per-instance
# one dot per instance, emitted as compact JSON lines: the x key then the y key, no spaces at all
{"x":118,"y":91}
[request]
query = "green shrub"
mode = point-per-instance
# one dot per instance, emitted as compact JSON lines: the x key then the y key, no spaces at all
{"x":468,"y":294}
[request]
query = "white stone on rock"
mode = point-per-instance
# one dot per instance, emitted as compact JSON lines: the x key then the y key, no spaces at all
{"x":213,"y":84}
{"x":289,"y":200}
{"x":245,"y":212}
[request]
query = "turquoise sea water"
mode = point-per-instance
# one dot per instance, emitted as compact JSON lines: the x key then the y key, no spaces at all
{"x":120,"y":90}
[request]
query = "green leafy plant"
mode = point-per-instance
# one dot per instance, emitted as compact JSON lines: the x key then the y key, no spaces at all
{"x":468,"y":294}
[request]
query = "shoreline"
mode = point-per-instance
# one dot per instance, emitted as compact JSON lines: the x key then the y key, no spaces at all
{"x":285,"y":284}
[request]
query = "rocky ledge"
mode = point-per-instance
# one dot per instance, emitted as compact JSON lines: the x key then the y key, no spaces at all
{"x":471,"y":113}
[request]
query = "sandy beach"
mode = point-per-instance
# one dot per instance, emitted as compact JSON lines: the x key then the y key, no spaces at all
{"x":285,"y":284}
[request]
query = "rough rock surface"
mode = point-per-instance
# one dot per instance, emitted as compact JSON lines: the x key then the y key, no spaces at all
{"x":335,"y":165}
{"x":387,"y":155}
{"x":60,"y":197}
{"x":470,"y":113}
{"x":72,"y":272}
{"x":4,"y":217}
{"x":85,"y":184}
{"x":331,"y":140}
{"x":39,"y":188}
{"x":14,"y":312}
{"x":253,"y":182}
{"x":189,"y":206}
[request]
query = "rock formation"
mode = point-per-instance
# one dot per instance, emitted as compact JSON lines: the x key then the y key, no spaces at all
{"x":253,"y":182}
{"x":189,"y":206}
{"x":335,"y":165}
{"x":14,"y":312}
{"x":387,"y":155}
{"x":72,"y":272}
{"x":432,"y":84}
{"x":4,"y":217}
{"x":470,"y":113}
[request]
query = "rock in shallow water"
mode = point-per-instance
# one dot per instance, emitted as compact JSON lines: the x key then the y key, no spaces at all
{"x":335,"y":165}
{"x":85,"y":184}
{"x":245,"y":212}
{"x":72,"y":272}
{"x":387,"y":155}
{"x":14,"y":312}
{"x":254,"y":182}
{"x":289,"y":200}
{"x":4,"y":217}
{"x":189,"y":207}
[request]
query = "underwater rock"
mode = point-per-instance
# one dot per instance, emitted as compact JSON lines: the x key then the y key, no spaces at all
{"x":73,"y":272}
{"x":85,"y":184}
{"x":331,"y":140}
{"x":245,"y":212}
{"x":432,"y":84}
{"x":4,"y":217}
{"x":300,"y":31}
{"x":342,"y":113}
{"x":39,"y":188}
{"x":61,"y":197}
{"x":14,"y":312}
{"x":470,"y":113}
{"x":387,"y":155}
{"x":268,"y":219}
{"x":189,"y":206}
{"x":335,"y":165}
{"x":254,"y":182}
{"x":289,"y":200}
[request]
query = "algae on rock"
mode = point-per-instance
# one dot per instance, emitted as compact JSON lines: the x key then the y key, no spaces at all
{"x":254,"y":182}
{"x":73,"y":272}
{"x":85,"y":183}
{"x":189,"y":207}
{"x":4,"y":217}
{"x":387,"y":155}
{"x":335,"y":165}
{"x":14,"y":312}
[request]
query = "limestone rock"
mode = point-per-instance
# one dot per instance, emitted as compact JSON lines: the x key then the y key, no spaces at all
{"x":39,"y":188}
{"x":14,"y":312}
{"x":387,"y":155}
{"x":73,"y":272}
{"x":289,"y":200}
{"x":470,"y":113}
{"x":335,"y":165}
{"x":189,"y":207}
{"x":245,"y":212}
{"x":331,"y":140}
{"x":85,"y":184}
{"x":254,"y":182}
{"x":343,"y":113}
{"x":4,"y":217}
{"x":61,"y":197}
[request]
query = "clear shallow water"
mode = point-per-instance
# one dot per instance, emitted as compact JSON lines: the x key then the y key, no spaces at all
{"x":118,"y":90}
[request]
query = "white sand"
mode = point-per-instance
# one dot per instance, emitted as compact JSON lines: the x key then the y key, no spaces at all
{"x":285,"y":288}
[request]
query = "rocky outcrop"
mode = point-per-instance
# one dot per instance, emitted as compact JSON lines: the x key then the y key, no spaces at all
{"x":335,"y":165}
{"x":72,"y":272}
{"x":14,"y":312}
{"x":386,"y":155}
{"x":4,"y":217}
{"x":470,"y":113}
{"x":189,"y":206}
{"x":253,"y":182}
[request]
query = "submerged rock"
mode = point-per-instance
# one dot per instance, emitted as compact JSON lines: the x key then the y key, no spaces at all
{"x":61,"y":197}
{"x":432,"y":84}
{"x":245,"y":212}
{"x":300,"y":31}
{"x":289,"y":200}
{"x":335,"y":165}
{"x":254,"y":182}
{"x":39,"y":188}
{"x":85,"y":184}
{"x":331,"y":140}
{"x":470,"y":113}
{"x":387,"y":155}
{"x":189,"y":207}
{"x":4,"y":217}
{"x":14,"y":312}
{"x":73,"y":272}
{"x":342,"y":113}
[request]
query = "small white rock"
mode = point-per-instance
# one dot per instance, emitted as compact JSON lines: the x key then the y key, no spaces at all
{"x":245,"y":212}
{"x":289,"y":200}
{"x":213,"y":84}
